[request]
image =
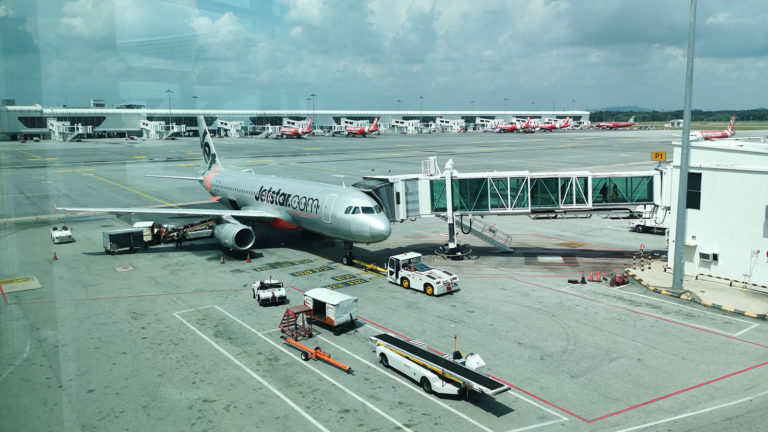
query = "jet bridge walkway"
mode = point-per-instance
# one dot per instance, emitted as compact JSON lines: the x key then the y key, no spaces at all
{"x":470,"y":195}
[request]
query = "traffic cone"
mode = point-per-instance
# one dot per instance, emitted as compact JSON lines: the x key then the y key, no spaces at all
{"x":54,"y":256}
{"x":598,"y":276}
{"x":248,"y":258}
{"x":221,"y":261}
{"x":591,"y":279}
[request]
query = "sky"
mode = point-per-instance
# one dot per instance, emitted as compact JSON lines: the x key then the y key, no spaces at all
{"x":390,"y":54}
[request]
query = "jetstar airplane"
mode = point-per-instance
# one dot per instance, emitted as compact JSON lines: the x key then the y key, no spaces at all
{"x":617,"y":125}
{"x":334,"y":211}
{"x":363,"y":130}
{"x":549,"y":127}
{"x":715,"y":134}
{"x":295,"y":132}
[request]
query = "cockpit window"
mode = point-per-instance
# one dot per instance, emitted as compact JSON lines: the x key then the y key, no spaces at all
{"x":377,"y":208}
{"x":348,"y":210}
{"x":368,"y":210}
{"x":356,"y":210}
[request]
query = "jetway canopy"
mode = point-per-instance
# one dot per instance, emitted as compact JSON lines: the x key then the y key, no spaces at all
{"x":519,"y":192}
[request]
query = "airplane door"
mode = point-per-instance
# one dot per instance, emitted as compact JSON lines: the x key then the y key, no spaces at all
{"x":327,"y":207}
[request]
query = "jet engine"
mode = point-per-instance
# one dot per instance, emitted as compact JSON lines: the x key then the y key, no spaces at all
{"x":234,"y":235}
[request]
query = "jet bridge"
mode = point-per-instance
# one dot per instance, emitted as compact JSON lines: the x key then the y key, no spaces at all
{"x":551,"y":194}
{"x":159,"y":130}
{"x":64,"y":131}
{"x":232,"y":129}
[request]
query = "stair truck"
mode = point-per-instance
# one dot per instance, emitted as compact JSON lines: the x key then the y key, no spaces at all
{"x":408,"y":271}
{"x":332,"y":308}
{"x":442,"y":374}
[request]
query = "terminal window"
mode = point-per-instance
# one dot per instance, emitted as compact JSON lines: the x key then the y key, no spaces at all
{"x":694,"y":191}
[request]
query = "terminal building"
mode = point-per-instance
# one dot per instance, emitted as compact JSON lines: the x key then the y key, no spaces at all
{"x":18,"y":122}
{"x":727,"y":232}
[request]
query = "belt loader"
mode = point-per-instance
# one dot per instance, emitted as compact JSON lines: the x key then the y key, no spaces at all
{"x":449,"y":374}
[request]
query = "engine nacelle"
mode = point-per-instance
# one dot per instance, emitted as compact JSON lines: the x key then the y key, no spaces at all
{"x":234,"y":235}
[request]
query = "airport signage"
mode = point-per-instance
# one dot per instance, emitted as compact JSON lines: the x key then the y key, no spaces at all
{"x":659,"y":156}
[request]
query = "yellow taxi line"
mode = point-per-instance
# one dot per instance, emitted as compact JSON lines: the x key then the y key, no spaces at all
{"x":131,"y":190}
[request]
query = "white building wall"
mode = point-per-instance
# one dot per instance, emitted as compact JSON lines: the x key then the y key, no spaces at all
{"x":733,"y":219}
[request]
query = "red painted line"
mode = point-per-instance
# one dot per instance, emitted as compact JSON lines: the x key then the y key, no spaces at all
{"x":643,"y":313}
{"x":291,"y":286}
{"x":540,"y":399}
{"x":596,"y":419}
{"x":129,"y":297}
{"x":382,"y":327}
{"x":3,"y":293}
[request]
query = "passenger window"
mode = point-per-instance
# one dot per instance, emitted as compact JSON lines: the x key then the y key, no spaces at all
{"x":356,"y":210}
{"x":348,"y":210}
{"x":377,"y":208}
{"x":368,"y":210}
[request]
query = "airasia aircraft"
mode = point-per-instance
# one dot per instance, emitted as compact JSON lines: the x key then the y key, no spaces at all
{"x":715,"y":134}
{"x":549,"y":127}
{"x":617,"y":125}
{"x":295,"y":132}
{"x":510,"y":127}
{"x":363,"y":130}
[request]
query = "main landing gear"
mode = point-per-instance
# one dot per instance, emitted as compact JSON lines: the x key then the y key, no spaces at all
{"x":348,"y":257}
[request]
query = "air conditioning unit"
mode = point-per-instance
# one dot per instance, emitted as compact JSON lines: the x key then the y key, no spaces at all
{"x":708,"y":256}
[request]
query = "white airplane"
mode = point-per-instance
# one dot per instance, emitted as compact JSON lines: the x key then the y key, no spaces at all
{"x":338,"y":212}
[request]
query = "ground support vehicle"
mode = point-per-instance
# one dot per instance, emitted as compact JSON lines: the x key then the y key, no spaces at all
{"x":448,"y":374}
{"x":653,"y":219}
{"x":269,"y":291}
{"x":336,"y":310}
{"x":408,"y":271}
{"x":317,"y":354}
{"x":61,"y":235}
{"x":130,"y":238}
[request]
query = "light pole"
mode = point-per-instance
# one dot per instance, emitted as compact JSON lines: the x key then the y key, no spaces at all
{"x":421,"y":109}
{"x":195,"y":98}
{"x":313,"y":96}
{"x":169,"y":91}
{"x":505,"y":109}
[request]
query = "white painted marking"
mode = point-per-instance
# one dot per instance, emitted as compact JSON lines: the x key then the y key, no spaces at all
{"x":746,"y":330}
{"x":655,"y":314}
{"x":695,"y":310}
{"x":16,"y":363}
{"x":536,"y":426}
{"x":314,"y":369}
{"x":705,"y":410}
{"x":409,"y":386}
{"x":250,"y":372}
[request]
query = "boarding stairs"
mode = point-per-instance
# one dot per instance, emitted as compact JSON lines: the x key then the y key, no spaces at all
{"x":295,"y":322}
{"x":481,"y":229}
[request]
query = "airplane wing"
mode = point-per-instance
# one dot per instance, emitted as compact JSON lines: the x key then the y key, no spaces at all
{"x":251,"y":214}
{"x":175,"y":177}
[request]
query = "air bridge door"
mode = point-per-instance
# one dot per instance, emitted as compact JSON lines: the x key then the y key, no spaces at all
{"x":327,"y":207}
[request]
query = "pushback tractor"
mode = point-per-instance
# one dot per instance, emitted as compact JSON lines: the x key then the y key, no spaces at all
{"x":408,"y":271}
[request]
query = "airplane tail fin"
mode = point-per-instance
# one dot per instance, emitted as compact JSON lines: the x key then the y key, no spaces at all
{"x":375,"y":123}
{"x":527,"y":122}
{"x":567,"y":121}
{"x":308,"y":129}
{"x":210,"y":159}
{"x":631,"y":119}
{"x":730,"y":125}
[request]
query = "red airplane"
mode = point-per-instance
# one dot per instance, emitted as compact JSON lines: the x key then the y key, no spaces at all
{"x":617,"y":125}
{"x":295,"y":132}
{"x":549,"y":127}
{"x":363,"y":130}
{"x":715,"y":134}
{"x":510,"y":127}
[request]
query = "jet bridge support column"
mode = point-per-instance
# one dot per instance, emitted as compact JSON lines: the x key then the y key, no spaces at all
{"x":452,"y":249}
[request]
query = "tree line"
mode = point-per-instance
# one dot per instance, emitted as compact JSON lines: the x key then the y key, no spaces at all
{"x":664,"y":116}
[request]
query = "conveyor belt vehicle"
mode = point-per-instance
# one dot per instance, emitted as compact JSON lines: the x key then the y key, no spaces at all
{"x":448,"y":374}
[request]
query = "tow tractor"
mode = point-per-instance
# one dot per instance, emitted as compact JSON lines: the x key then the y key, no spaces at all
{"x":444,"y":374}
{"x":408,"y":271}
{"x":269,"y":291}
{"x":61,"y":235}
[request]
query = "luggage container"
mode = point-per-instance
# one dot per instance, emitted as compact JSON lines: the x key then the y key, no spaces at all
{"x":337,"y":310}
{"x":130,"y":238}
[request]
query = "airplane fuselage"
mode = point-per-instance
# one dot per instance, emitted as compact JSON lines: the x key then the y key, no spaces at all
{"x":334,"y":211}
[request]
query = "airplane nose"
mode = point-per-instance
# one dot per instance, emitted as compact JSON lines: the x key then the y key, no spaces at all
{"x":381,"y":230}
